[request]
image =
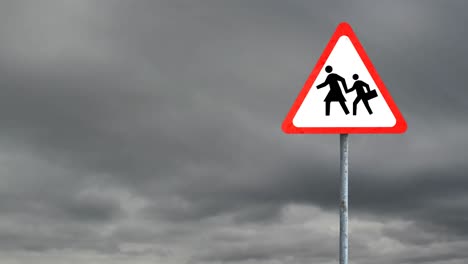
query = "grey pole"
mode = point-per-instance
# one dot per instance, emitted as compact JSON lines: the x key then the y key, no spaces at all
{"x":344,"y":145}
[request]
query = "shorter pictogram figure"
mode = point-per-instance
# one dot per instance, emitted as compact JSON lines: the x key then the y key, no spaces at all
{"x":335,"y":94}
{"x":362,"y":94}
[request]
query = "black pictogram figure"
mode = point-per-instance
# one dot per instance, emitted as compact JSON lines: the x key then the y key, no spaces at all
{"x":361,"y":94}
{"x":335,"y":94}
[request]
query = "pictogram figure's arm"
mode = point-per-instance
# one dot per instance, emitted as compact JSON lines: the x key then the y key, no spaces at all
{"x":343,"y":81}
{"x":325,"y":83}
{"x":367,"y":86}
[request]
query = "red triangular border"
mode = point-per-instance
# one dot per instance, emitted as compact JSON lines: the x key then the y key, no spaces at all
{"x":343,"y":29}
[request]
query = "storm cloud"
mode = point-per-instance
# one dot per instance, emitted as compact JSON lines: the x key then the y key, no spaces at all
{"x":150,"y":131}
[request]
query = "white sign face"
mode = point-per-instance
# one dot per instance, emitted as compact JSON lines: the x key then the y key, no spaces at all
{"x":356,"y":106}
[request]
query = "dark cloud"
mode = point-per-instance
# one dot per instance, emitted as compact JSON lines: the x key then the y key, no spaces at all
{"x":146,"y":129}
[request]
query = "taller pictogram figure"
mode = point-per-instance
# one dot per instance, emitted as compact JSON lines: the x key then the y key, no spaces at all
{"x":335,"y":94}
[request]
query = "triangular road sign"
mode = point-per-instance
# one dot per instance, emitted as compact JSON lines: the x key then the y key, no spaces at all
{"x":344,"y":94}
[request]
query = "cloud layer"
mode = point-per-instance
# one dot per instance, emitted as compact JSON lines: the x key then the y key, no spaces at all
{"x":149,"y":131}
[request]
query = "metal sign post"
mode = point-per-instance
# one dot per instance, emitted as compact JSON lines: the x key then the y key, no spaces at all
{"x":344,"y":152}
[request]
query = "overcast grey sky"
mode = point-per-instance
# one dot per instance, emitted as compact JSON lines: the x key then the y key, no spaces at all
{"x":150,"y":132}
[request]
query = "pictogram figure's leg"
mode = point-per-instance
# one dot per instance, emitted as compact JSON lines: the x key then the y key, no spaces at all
{"x":366,"y":103}
{"x":345,"y":108}
{"x":356,"y":101}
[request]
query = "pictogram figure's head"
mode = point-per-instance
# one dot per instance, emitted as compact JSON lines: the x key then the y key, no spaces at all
{"x":355,"y":76}
{"x":328,"y":69}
